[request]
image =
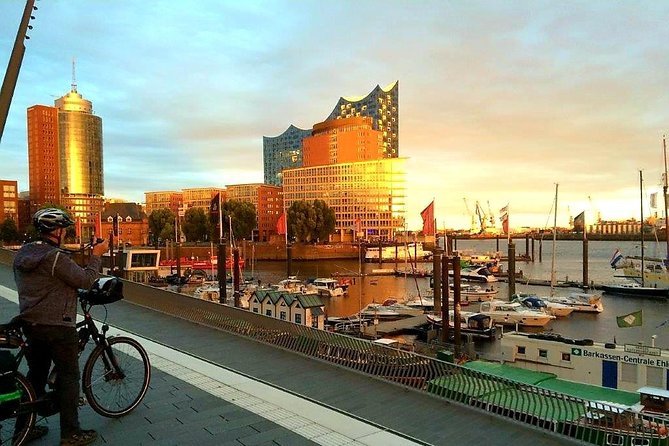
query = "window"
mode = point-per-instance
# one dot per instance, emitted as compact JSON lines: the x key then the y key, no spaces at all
{"x":543,"y":353}
{"x":566,"y":357}
{"x":628,"y":372}
{"x":255,"y":309}
{"x":268,"y":312}
{"x":282,"y":316}
{"x":521,"y":349}
{"x":298,"y":319}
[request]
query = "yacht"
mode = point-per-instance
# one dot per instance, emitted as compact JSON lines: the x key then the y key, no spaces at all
{"x":329,"y":287}
{"x":513,"y":313}
{"x":534,"y":302}
{"x":580,"y":302}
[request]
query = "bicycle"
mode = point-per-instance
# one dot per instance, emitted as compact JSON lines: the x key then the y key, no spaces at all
{"x":114,"y":380}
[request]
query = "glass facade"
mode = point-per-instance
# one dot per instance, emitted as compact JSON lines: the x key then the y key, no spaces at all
{"x":372,"y":192}
{"x":282,"y":152}
{"x":382,"y":105}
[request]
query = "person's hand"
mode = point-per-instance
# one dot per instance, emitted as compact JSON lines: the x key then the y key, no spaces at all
{"x":101,"y":248}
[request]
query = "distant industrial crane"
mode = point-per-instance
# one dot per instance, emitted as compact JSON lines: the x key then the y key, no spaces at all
{"x":595,"y":210}
{"x":483,"y":221}
{"x":472,"y":215}
{"x":491,"y":216}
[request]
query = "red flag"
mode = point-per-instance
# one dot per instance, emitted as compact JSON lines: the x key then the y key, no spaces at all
{"x":213,"y":206}
{"x":428,"y":219}
{"x":98,"y":225}
{"x":504,"y":217}
{"x":281,"y":224}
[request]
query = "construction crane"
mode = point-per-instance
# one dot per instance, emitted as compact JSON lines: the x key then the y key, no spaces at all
{"x":595,"y":210}
{"x":472,"y":215}
{"x":491,"y":216}
{"x":480,"y":213}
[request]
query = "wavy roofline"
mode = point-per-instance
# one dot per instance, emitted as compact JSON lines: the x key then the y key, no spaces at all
{"x":291,"y":126}
{"x":385,"y":89}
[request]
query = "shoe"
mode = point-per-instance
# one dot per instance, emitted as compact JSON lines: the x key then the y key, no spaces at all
{"x":37,"y":432}
{"x":79,"y":438}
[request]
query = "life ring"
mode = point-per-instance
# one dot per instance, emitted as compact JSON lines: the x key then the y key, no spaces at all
{"x":662,"y":430}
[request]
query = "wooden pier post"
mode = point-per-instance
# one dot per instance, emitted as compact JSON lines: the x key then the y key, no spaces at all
{"x":436,"y":278}
{"x":532,"y":249}
{"x":456,"y":304}
{"x":585,"y":263}
{"x":235,"y":278}
{"x":527,"y":246}
{"x":380,"y":253}
{"x":497,"y":243}
{"x":444,"y":299}
{"x":512,"y":269}
{"x":220,"y":271}
{"x":540,"y":248}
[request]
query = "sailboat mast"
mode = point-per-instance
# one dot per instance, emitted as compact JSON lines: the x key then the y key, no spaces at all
{"x":643,"y":266}
{"x":554,"y":239}
{"x":664,"y":190}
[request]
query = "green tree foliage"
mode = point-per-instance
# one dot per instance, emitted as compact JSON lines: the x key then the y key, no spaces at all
{"x":243,"y":216}
{"x":161,"y":222}
{"x":325,"y":221}
{"x":309,"y":222}
{"x":195,"y":225}
{"x":8,"y":231}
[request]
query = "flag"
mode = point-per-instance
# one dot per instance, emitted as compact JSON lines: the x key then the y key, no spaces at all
{"x":617,"y":257}
{"x":504,"y":218}
{"x":663,"y":324}
{"x":77,"y":228}
{"x":98,"y":224}
{"x":630,"y":320}
{"x":579,"y":222}
{"x":427,"y":215}
{"x":358,"y":226}
{"x":213,"y":206}
{"x":653,"y":200}
{"x":281,"y":224}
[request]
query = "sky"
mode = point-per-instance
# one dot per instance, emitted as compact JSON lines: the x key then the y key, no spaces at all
{"x":499,"y":100}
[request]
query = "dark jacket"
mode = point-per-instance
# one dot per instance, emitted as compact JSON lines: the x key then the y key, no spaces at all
{"x":47,"y":280}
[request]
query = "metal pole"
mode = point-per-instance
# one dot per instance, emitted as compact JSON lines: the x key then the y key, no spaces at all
{"x":664,"y":191}
{"x":436,"y":279}
{"x":14,"y":65}
{"x":512,"y":269}
{"x":289,"y":259}
{"x":456,"y":303}
{"x":220,"y":271}
{"x":235,"y":280}
{"x":585,"y":263}
{"x":444,"y":299}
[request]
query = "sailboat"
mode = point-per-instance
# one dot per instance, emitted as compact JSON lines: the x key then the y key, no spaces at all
{"x":581,"y":302}
{"x":643,"y":281}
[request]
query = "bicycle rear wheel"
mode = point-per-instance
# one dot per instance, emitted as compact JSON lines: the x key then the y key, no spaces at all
{"x":17,"y":415}
{"x":116,"y":377}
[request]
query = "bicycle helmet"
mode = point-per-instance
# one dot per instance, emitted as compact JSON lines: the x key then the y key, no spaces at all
{"x":48,"y":219}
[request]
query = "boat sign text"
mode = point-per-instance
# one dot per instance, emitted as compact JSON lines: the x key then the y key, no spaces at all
{"x":630,"y":359}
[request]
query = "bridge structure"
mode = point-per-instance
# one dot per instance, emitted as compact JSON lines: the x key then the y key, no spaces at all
{"x":226,"y":376}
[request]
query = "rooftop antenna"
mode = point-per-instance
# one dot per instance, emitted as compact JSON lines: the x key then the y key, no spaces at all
{"x":74,"y":75}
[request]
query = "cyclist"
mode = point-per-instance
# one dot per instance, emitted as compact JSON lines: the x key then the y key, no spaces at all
{"x":47,"y":280}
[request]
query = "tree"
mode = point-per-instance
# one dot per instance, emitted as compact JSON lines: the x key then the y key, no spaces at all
{"x":161,"y":222}
{"x":325,"y":221}
{"x":243,"y":216}
{"x":301,"y":221}
{"x":8,"y":231}
{"x":195,"y":225}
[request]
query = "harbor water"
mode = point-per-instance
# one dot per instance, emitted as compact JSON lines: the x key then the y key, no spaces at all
{"x":568,"y":266}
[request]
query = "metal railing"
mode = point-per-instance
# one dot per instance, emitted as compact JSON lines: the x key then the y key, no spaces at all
{"x":581,"y":419}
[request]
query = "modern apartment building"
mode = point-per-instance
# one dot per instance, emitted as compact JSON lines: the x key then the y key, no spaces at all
{"x":343,"y":140}
{"x":169,"y":199}
{"x":282,"y":152}
{"x":367,"y":194}
{"x":267,"y":200}
{"x":65,"y":158}
{"x":9,"y":200}
{"x":200,"y":197}
{"x":382,"y":105}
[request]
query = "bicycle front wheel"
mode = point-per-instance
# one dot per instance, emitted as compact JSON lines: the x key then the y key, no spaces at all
{"x":116,"y":377}
{"x":17,"y":413}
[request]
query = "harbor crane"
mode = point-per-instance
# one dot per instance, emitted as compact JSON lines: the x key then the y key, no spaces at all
{"x":472,"y":215}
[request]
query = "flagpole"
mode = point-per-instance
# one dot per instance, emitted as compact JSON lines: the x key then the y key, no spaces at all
{"x":220,"y":219}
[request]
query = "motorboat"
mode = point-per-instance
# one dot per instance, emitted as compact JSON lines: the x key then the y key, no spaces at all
{"x":513,"y":313}
{"x":476,"y":274}
{"x":329,"y":287}
{"x":631,"y":288}
{"x":476,"y":293}
{"x":580,"y":302}
{"x":534,"y":302}
{"x":390,"y":309}
{"x":294,"y":285}
{"x":476,"y":324}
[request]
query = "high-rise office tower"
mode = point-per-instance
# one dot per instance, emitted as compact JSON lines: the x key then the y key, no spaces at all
{"x":65,"y":157}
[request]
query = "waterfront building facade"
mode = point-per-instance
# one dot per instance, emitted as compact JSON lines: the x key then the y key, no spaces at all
{"x":200,"y":197}
{"x":65,"y":158}
{"x":132,"y":228}
{"x":631,"y":226}
{"x":268,"y":202}
{"x":369,"y":195}
{"x":282,"y":152}
{"x":343,"y":140}
{"x":382,"y":105}
{"x":156,"y":200}
{"x":298,"y":308}
{"x":9,"y":200}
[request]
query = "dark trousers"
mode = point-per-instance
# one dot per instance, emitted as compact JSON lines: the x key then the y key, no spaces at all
{"x":47,"y":343}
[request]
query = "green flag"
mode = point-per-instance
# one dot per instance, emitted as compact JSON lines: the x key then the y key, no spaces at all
{"x":630,"y":320}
